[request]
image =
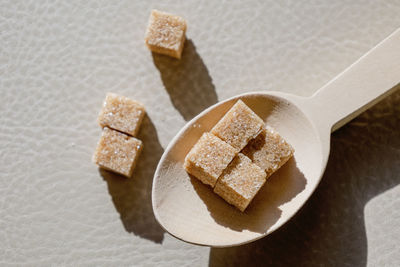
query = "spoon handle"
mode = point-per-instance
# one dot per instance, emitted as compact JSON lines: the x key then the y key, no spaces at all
{"x":371,"y":78}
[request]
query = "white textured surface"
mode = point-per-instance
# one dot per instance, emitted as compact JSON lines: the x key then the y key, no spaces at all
{"x":59,"y":58}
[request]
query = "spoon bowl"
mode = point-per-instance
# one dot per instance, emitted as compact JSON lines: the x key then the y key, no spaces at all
{"x":189,"y":210}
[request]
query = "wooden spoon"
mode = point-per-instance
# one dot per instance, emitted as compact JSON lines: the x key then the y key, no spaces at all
{"x":190,"y":211}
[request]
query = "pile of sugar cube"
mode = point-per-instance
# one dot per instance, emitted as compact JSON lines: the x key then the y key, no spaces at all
{"x":237,"y":156}
{"x":118,"y":148}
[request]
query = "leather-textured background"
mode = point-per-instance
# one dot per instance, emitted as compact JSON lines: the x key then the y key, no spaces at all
{"x":59,"y":58}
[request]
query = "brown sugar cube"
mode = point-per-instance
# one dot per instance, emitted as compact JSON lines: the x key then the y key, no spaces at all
{"x":165,"y":34}
{"x":269,"y":151}
{"x":208,"y":158}
{"x":122,"y":114}
{"x":117,"y":152}
{"x":238,"y":126}
{"x":240,"y":182}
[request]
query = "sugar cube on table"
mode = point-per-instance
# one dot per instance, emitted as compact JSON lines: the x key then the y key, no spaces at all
{"x":165,"y":33}
{"x":240,"y":182}
{"x":117,"y":152}
{"x":238,"y":126}
{"x":122,"y":114}
{"x":208,"y":158}
{"x":269,"y":151}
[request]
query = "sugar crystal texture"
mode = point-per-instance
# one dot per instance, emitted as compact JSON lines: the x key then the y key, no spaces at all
{"x":269,"y":151}
{"x":208,"y":158}
{"x":122,"y":114}
{"x":238,"y":126}
{"x":117,"y":152}
{"x":240,"y":182}
{"x":165,"y":34}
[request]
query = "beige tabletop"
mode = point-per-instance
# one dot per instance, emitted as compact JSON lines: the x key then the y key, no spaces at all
{"x":59,"y":58}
